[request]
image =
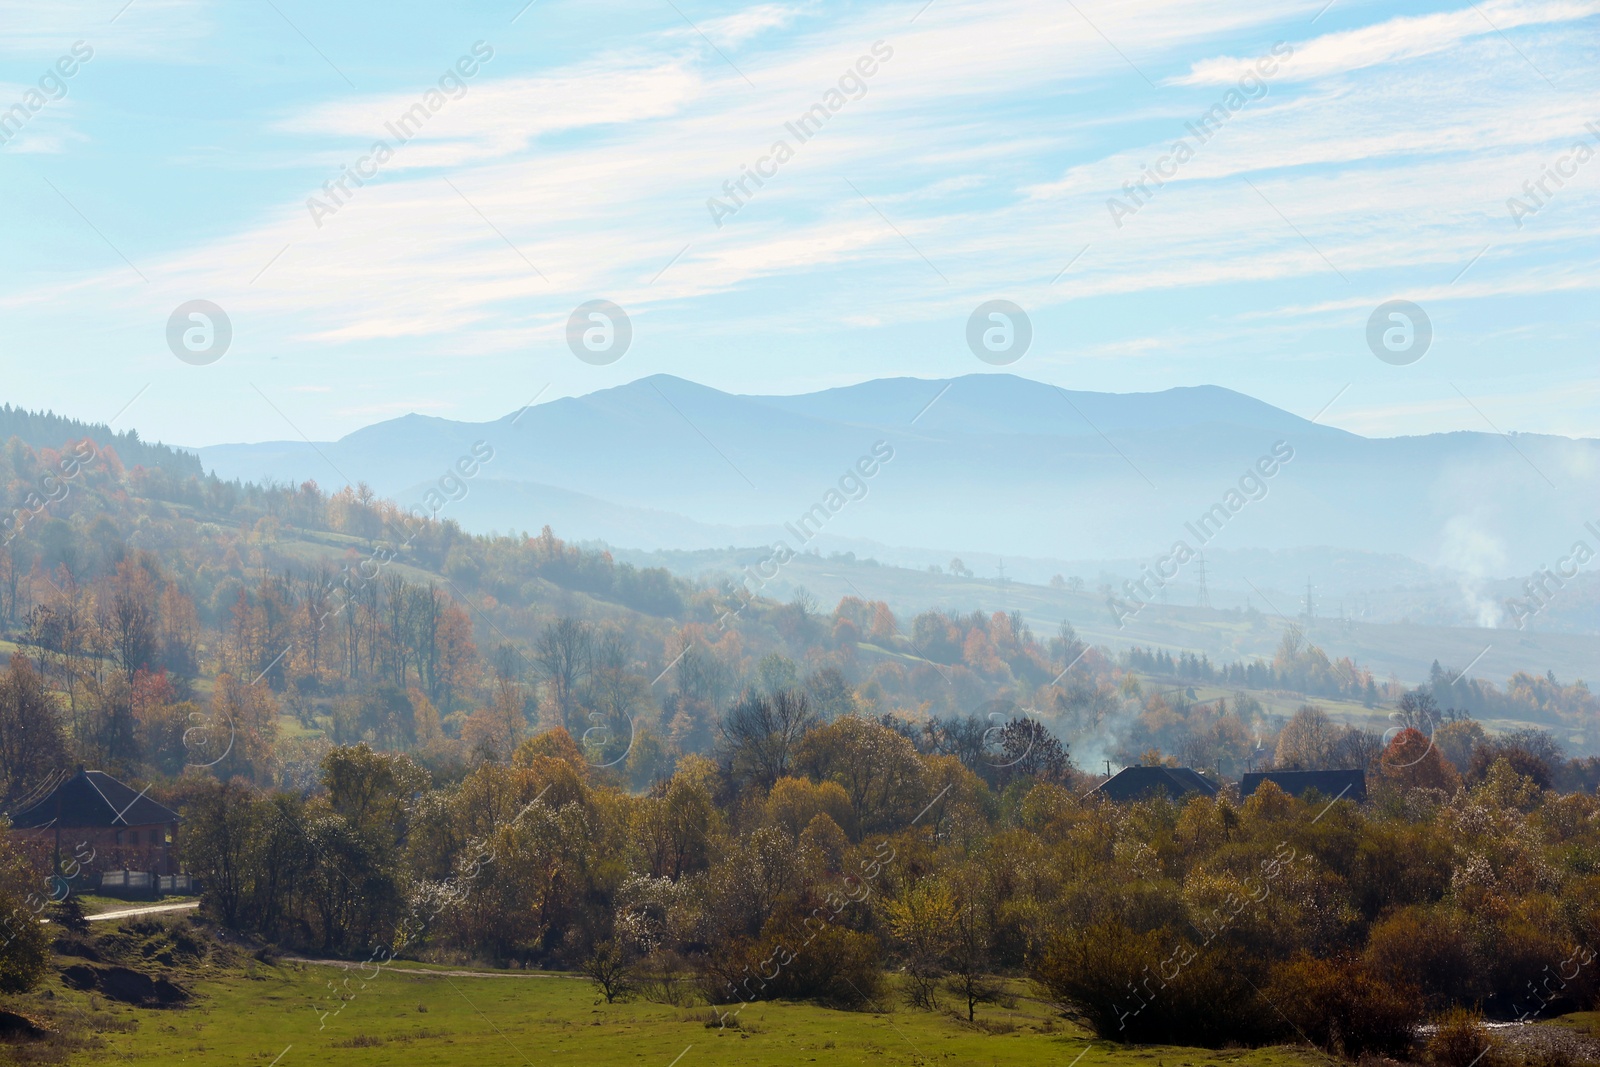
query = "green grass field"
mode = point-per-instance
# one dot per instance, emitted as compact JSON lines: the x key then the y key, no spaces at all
{"x":248,"y":1012}
{"x":520,"y":1019}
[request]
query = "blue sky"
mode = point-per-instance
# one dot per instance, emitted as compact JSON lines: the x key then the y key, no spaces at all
{"x":976,"y":162}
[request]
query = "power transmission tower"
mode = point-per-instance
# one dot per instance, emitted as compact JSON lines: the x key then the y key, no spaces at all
{"x":1311,"y":608}
{"x":1204,"y":599}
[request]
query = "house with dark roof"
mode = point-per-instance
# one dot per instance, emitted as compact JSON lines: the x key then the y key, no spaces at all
{"x":1142,"y":783}
{"x":1333,"y":785}
{"x":103,"y":824}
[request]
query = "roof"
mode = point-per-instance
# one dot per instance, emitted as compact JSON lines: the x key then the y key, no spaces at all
{"x":93,"y":799}
{"x":1332,"y":784}
{"x":1138,"y":783}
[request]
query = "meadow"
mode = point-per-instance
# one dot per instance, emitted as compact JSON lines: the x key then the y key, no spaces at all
{"x":246,"y":1011}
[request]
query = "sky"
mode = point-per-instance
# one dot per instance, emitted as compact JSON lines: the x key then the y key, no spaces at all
{"x":559,"y":153}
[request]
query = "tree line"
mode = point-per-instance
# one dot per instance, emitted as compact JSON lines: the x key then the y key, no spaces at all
{"x":847,"y":860}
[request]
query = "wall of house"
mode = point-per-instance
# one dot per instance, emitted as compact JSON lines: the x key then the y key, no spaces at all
{"x":94,"y":849}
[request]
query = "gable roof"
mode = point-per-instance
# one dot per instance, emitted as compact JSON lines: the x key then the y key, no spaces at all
{"x":93,"y":799}
{"x":1138,"y":783}
{"x":1331,"y":784}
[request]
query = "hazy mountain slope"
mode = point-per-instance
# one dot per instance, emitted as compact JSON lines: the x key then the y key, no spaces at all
{"x":1006,"y":404}
{"x":997,"y":464}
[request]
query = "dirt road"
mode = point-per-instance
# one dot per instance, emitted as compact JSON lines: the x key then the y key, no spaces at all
{"x":150,"y":909}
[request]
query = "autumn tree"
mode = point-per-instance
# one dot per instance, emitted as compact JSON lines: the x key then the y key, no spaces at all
{"x":24,"y":940}
{"x":1309,"y":741}
{"x":33,"y":743}
{"x":1412,"y":762}
{"x":238,"y":733}
{"x":971,"y":937}
{"x":923,"y":921}
{"x":677,"y":823}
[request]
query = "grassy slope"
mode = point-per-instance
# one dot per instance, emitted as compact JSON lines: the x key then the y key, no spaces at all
{"x":1585,"y":1022}
{"x":249,"y":1012}
{"x":521,"y":1019}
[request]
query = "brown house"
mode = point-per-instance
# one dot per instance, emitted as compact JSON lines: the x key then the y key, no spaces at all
{"x":103,"y":825}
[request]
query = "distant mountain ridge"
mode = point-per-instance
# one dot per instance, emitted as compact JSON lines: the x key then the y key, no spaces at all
{"x":985,"y":462}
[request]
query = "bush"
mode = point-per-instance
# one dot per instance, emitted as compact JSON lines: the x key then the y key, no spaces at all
{"x":24,"y":943}
{"x":1343,"y":1006}
{"x":1114,"y":976}
{"x":1529,"y":950}
{"x":662,"y":979}
{"x":1427,"y":949}
{"x":833,"y":966}
{"x":1460,"y":1041}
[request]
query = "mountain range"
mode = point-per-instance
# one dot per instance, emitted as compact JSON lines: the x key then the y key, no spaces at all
{"x":988,"y":463}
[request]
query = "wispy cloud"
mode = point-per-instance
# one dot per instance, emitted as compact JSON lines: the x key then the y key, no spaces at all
{"x":734,"y":30}
{"x":991,"y":141}
{"x":164,"y":29}
{"x":1397,"y":40}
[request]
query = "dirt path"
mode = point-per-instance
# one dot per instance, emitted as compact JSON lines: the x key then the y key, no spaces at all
{"x":153,"y":909}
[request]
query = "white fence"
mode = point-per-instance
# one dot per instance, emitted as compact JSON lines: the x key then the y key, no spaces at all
{"x":145,"y":883}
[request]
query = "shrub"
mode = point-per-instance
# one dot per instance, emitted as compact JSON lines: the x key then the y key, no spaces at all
{"x":1528,"y":952}
{"x":830,"y":965}
{"x":1114,"y":976}
{"x":1429,"y":950}
{"x":1343,"y":1006}
{"x":837,"y":967}
{"x":1461,"y":1041}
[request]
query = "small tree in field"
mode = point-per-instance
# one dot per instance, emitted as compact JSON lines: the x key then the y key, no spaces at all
{"x":923,"y":919}
{"x":611,"y":965}
{"x":971,"y":936}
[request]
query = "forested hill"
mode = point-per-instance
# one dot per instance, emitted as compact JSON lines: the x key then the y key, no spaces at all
{"x":44,"y":429}
{"x":286,"y":621}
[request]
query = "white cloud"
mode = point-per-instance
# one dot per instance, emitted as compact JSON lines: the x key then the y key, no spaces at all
{"x":40,"y":144}
{"x":164,"y":29}
{"x":598,"y":174}
{"x":500,"y":116}
{"x":734,"y":30}
{"x":1396,"y":40}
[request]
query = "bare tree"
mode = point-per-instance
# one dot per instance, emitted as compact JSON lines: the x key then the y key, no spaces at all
{"x":564,"y":656}
{"x":1066,"y":648}
{"x":971,"y":939}
{"x":1358,"y":749}
{"x":1308,"y":742}
{"x":611,"y":965}
{"x":314,"y":598}
{"x":761,"y":731}
{"x":702,"y":678}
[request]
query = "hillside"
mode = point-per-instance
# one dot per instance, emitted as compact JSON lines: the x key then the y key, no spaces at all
{"x":320,"y":619}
